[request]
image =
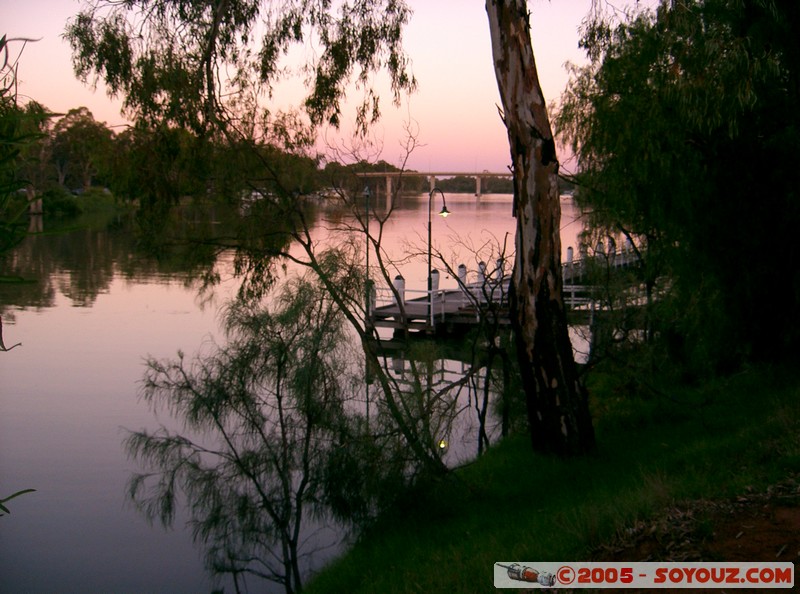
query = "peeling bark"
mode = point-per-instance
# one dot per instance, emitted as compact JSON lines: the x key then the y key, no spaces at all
{"x":557,"y":402}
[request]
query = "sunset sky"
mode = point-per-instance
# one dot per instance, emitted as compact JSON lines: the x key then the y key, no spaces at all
{"x":454,"y":111}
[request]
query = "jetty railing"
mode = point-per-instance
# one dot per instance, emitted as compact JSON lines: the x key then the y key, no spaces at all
{"x":421,"y":308}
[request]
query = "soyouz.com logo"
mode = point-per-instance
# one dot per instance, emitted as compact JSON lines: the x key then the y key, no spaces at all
{"x":643,"y":575}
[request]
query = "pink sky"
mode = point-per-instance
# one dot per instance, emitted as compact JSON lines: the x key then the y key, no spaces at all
{"x":454,"y":110}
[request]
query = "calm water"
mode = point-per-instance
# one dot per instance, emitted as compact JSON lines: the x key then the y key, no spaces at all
{"x":93,"y":312}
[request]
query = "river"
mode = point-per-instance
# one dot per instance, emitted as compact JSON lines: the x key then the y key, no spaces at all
{"x":92,"y":311}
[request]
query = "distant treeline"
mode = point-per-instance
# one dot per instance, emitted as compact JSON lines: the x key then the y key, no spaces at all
{"x":65,"y":157}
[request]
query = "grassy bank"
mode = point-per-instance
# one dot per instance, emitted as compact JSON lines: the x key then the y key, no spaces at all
{"x":712,"y":441}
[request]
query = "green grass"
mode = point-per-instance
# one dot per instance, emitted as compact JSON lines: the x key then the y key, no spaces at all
{"x":711,"y":442}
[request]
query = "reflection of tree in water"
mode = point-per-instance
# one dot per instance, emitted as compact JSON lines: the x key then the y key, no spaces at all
{"x":3,"y":346}
{"x":277,"y":439}
{"x":81,"y":262}
{"x":268,"y":407}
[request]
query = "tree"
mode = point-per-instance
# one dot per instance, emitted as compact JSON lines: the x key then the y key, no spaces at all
{"x":15,"y":135}
{"x":159,"y":165}
{"x":557,"y":402}
{"x":268,"y":409}
{"x":167,"y":59}
{"x":35,"y":164}
{"x":79,"y":146}
{"x":12,"y":224}
{"x":685,"y":125}
{"x":206,"y":65}
{"x":20,"y":127}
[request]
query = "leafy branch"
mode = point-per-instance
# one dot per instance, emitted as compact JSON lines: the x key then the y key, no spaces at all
{"x":3,"y":507}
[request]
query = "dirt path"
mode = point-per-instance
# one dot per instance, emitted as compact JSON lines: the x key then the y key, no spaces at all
{"x":753,"y":527}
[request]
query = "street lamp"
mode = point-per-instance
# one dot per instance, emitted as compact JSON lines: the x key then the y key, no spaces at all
{"x":366,"y":193}
{"x":367,"y":295}
{"x":367,"y":312}
{"x":443,"y":213}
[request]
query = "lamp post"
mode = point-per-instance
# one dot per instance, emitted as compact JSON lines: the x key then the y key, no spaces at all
{"x":366,"y":242}
{"x":367,"y":312}
{"x":443,"y":213}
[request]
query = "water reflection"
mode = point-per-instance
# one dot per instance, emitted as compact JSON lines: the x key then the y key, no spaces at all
{"x":462,"y":402}
{"x":262,"y":416}
{"x":95,"y":305}
{"x":3,"y":346}
{"x":85,"y":325}
{"x":81,"y":264}
{"x":279,"y":430}
{"x":277,"y":440}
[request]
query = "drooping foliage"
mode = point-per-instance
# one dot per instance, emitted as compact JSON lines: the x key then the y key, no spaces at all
{"x":206,"y":71}
{"x":275,"y":443}
{"x":12,"y":226}
{"x":78,"y":148}
{"x":208,"y":66}
{"x":260,"y":416}
{"x":20,"y":126}
{"x":685,"y":125}
{"x":194,"y":62}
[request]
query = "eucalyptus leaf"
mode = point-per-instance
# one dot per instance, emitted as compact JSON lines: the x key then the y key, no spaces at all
{"x":13,"y":496}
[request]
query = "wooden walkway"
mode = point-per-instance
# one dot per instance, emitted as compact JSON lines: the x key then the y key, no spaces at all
{"x":445,"y":308}
{"x":453,"y":307}
{"x":445,"y":311}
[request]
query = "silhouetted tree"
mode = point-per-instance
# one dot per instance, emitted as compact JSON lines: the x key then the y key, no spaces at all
{"x":557,"y":402}
{"x":172,"y":75}
{"x":268,"y":409}
{"x":685,"y":125}
{"x":79,"y":143}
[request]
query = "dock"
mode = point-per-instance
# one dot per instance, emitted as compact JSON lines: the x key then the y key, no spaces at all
{"x":450,"y":310}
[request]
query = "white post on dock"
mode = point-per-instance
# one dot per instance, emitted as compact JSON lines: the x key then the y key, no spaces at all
{"x":499,"y":274}
{"x":434,"y":289}
{"x":372,"y":297}
{"x":434,"y":280}
{"x":570,"y":261}
{"x":569,"y":275}
{"x":462,"y":275}
{"x":462,"y":282}
{"x":584,"y":248}
{"x":400,"y":288}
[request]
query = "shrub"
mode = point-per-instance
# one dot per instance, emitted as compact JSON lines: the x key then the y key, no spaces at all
{"x":59,"y":202}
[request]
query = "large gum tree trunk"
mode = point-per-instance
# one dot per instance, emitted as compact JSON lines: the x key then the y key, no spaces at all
{"x":557,"y":403}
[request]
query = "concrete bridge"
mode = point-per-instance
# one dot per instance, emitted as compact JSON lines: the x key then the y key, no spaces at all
{"x":432,"y":176}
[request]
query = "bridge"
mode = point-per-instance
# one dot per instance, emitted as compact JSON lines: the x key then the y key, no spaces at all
{"x":432,"y":176}
{"x":446,"y":310}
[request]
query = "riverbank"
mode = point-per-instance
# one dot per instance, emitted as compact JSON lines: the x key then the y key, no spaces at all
{"x":687,"y":452}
